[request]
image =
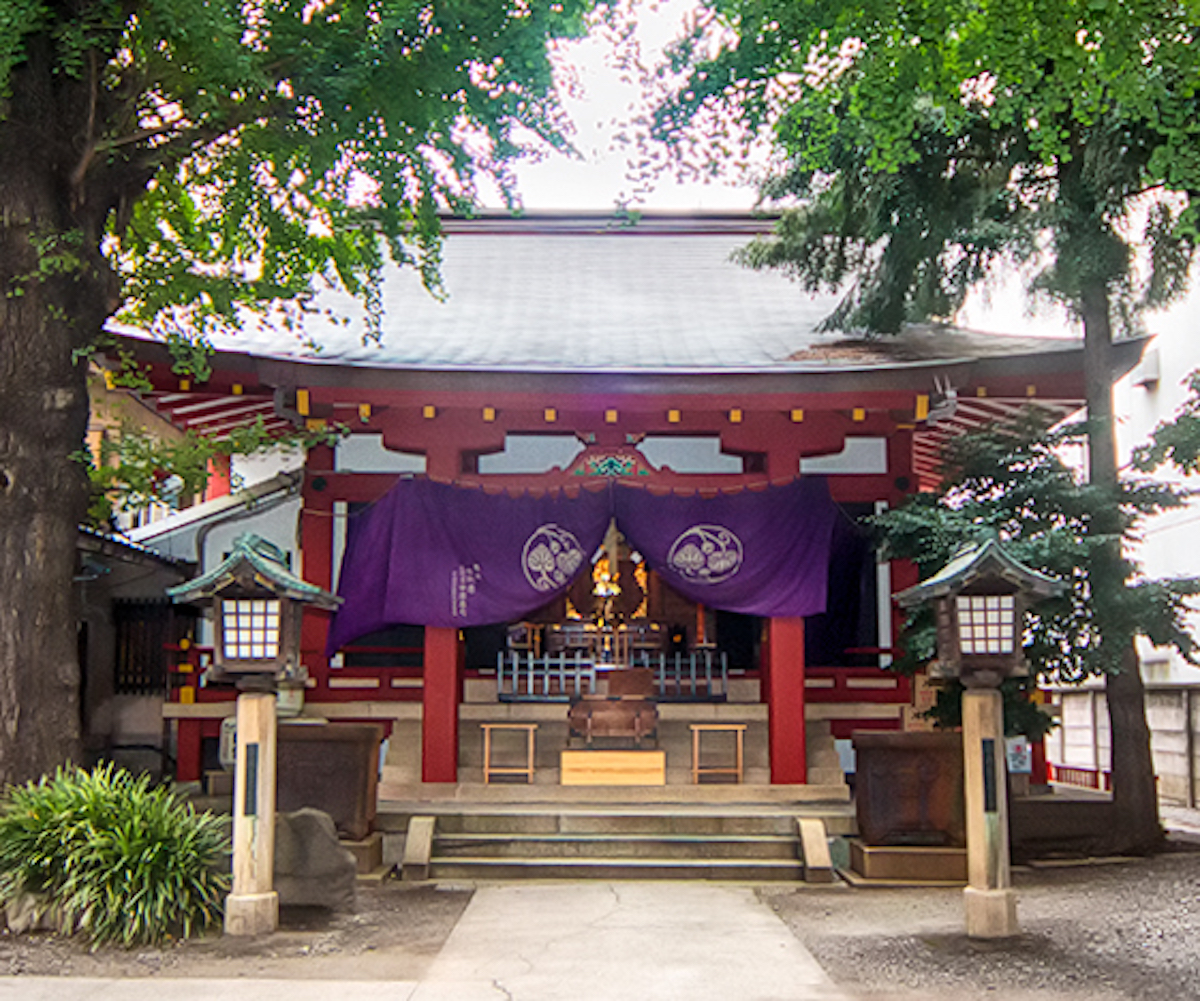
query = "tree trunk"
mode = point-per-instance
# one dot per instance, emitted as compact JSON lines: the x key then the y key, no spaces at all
{"x":55,"y":298}
{"x":1136,"y":826}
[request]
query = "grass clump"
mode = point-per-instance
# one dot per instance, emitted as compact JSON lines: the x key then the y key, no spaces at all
{"x":111,"y":857}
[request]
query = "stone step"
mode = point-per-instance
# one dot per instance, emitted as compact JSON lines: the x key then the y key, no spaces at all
{"x":610,"y":846}
{"x":478,"y":867}
{"x":641,"y":821}
{"x":713,"y":796}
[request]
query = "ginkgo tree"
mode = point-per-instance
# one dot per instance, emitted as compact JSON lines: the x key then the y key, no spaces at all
{"x":929,"y":146}
{"x":178,"y":163}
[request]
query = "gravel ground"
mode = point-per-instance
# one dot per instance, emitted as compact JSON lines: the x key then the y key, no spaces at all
{"x":394,"y":933}
{"x":1101,"y":930}
{"x":1121,"y":929}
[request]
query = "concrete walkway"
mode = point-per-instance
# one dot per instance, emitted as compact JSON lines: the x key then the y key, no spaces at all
{"x":602,"y":941}
{"x":549,"y":942}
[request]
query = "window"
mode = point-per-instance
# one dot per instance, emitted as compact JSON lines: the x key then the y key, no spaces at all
{"x":250,"y":628}
{"x":985,"y":623}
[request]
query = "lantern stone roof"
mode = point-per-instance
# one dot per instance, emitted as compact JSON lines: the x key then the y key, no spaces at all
{"x":264,"y":562}
{"x":974,"y":561}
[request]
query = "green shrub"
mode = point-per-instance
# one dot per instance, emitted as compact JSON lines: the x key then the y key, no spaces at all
{"x":111,"y":857}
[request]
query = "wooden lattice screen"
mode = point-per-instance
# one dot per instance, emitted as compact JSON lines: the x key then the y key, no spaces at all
{"x":143,"y":628}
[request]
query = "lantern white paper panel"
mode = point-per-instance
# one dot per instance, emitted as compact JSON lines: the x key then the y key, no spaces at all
{"x":251,"y":628}
{"x":986,"y":623}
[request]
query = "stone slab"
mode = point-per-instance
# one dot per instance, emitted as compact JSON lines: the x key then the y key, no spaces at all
{"x":814,"y":850}
{"x":418,"y":847}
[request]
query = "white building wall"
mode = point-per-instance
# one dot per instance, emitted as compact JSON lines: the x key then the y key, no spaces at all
{"x":1171,"y":541}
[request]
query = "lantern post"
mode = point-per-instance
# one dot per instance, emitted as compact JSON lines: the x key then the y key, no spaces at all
{"x":257,"y":606}
{"x":979,"y":598}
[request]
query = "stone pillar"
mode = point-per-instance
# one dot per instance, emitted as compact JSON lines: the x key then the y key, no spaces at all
{"x":991,"y":903}
{"x":439,"y":718}
{"x":785,"y":701}
{"x":253,"y":906}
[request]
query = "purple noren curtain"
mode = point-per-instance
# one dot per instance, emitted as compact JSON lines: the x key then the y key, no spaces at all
{"x":755,"y":552}
{"x":437,"y":555}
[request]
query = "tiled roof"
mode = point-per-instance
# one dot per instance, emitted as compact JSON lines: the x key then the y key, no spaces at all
{"x":94,"y":539}
{"x":265,"y":560}
{"x":976,"y":560}
{"x":582,"y":293}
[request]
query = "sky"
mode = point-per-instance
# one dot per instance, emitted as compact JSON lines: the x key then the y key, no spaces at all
{"x":599,"y":106}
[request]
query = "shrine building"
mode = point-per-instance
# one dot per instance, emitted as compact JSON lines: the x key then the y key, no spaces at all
{"x":606,"y":491}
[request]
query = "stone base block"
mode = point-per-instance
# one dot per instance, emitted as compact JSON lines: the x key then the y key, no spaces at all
{"x":218,"y":782}
{"x":368,"y":853}
{"x":251,"y":913}
{"x":991,"y":913}
{"x":915,"y":864}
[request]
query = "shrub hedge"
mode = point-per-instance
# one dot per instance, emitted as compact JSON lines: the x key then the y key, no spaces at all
{"x":112,"y":858}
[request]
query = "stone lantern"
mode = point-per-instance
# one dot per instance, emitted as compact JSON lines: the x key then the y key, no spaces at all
{"x":979,"y":598}
{"x":257,"y":603}
{"x":257,"y":606}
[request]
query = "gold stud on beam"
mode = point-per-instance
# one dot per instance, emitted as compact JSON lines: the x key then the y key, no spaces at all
{"x":981,"y":392}
{"x":429,"y":411}
{"x":610,"y":417}
{"x":674,"y":416}
{"x":489,"y":415}
{"x":921,"y":412}
{"x":1031,"y":390}
{"x":797,"y":416}
{"x":185,"y":385}
{"x":550,"y":414}
{"x":302,"y":402}
{"x":364,"y":412}
{"x":735,"y":416}
{"x":236,"y":389}
{"x":858,"y":415}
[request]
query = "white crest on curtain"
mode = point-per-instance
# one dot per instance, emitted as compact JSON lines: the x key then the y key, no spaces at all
{"x":706,"y":554}
{"x":551,"y":557}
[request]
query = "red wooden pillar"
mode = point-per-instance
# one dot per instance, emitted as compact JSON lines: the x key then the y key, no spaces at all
{"x":189,"y":753}
{"x":439,"y":717}
{"x":785,"y":701}
{"x":316,"y":553}
{"x":219,"y":476}
{"x":1041,"y":769}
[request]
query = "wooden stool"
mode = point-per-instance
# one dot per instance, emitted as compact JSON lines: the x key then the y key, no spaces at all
{"x":739,"y":732}
{"x":489,"y":769}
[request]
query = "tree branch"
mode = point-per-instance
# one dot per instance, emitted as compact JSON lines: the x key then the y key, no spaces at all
{"x":89,"y":145}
